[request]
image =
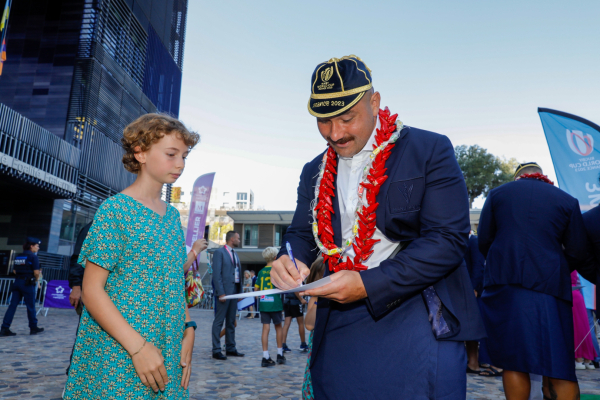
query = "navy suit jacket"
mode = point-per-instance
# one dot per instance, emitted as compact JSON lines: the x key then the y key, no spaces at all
{"x":591,"y":219}
{"x":424,"y":203}
{"x":475,"y":264}
{"x":224,"y":273}
{"x":532,"y":235}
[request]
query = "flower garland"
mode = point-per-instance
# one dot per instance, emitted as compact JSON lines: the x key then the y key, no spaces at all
{"x":365,"y":214}
{"x":538,"y":176}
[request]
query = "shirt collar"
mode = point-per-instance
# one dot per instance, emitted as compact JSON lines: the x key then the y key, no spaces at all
{"x":368,"y":146}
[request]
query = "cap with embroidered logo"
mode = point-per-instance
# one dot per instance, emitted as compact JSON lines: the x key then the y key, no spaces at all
{"x":521,"y":167}
{"x":337,"y":85}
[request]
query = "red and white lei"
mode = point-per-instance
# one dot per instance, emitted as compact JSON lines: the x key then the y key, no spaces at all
{"x":365,"y":215}
{"x":538,"y":176}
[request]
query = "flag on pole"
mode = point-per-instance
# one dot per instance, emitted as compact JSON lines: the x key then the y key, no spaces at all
{"x":3,"y":29}
{"x":574,"y":144}
{"x":199,"y":208}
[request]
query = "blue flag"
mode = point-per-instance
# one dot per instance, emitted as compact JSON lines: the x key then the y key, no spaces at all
{"x":574,"y":145}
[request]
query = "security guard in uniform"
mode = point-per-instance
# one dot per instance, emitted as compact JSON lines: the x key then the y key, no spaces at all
{"x":27,"y":268}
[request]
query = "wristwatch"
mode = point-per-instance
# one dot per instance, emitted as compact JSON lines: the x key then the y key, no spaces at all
{"x":190,"y":324}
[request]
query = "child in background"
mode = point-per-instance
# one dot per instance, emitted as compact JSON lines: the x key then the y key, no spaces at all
{"x":270,"y":308}
{"x":317,"y":269}
{"x":135,"y":338}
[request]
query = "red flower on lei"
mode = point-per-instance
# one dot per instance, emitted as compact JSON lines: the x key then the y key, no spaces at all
{"x":367,"y":218}
{"x":538,"y":176}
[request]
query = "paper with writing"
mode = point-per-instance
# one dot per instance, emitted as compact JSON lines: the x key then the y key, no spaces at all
{"x":314,"y":285}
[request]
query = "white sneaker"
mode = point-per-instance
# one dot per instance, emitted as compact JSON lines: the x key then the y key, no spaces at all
{"x":589,"y":365}
{"x":579,"y":365}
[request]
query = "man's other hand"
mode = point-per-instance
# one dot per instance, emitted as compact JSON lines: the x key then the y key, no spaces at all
{"x":284,"y":274}
{"x":75,"y":296}
{"x":345,"y":287}
{"x":222,"y":298}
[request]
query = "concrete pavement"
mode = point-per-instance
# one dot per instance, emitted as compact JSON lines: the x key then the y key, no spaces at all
{"x":33,"y":367}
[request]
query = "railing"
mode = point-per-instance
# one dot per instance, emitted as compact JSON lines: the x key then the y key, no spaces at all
{"x":54,"y":266}
{"x":31,"y":153}
{"x":40,"y":295}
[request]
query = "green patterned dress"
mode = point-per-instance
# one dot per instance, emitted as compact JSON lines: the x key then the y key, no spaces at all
{"x":144,"y":254}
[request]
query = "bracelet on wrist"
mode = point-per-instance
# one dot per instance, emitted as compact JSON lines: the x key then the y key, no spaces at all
{"x":131,"y":355}
{"x":195,"y":254}
{"x":190,"y":324}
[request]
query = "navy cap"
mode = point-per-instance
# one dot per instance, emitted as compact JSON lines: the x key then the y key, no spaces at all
{"x":521,"y":167}
{"x":337,"y":85}
{"x":33,"y":240}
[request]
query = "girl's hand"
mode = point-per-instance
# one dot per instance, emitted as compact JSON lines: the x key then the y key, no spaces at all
{"x":187,"y":348}
{"x":200,"y":245}
{"x":150,"y":367}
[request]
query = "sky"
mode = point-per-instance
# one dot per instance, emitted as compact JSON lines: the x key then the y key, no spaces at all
{"x":471,"y":70}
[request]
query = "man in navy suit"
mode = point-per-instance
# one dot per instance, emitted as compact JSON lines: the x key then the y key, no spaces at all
{"x":392,"y":322}
{"x":226,"y":281}
{"x":533,"y":236}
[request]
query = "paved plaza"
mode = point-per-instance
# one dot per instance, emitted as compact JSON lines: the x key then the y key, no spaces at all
{"x":33,"y":367}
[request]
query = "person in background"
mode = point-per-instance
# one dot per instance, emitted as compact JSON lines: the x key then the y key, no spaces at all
{"x":292,"y":308}
{"x":248,"y":287}
{"x":270,"y":310}
{"x":76,"y":271}
{"x":226,"y":281}
{"x":316,"y":272}
{"x":591,"y":219}
{"x":253,"y":274}
{"x":477,"y":355}
{"x":27,"y":268}
{"x":530,"y":248}
{"x":584,"y":348}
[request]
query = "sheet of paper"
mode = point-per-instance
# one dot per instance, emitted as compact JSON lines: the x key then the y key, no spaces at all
{"x":316,"y":284}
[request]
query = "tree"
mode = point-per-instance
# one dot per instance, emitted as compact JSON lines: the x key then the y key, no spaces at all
{"x":217,"y":230}
{"x":482,"y":171}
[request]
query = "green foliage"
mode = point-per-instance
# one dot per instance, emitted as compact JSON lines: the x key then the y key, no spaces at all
{"x":483,"y":171}
{"x":218,"y":230}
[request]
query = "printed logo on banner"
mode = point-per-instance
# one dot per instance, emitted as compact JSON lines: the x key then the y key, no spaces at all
{"x":57,"y":294}
{"x":581,"y":143}
{"x":200,"y":207}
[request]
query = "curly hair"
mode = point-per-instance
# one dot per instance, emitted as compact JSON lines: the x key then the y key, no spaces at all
{"x":149,"y":129}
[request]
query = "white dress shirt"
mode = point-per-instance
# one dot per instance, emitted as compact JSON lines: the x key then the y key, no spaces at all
{"x":349,"y":176}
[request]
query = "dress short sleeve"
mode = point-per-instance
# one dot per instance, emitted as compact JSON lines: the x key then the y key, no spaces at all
{"x":105,"y":242}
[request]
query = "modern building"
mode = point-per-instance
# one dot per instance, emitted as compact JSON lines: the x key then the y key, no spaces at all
{"x":228,"y":199}
{"x":77,"y":72}
{"x":259,"y":230}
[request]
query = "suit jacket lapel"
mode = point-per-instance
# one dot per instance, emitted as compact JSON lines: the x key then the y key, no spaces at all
{"x":391,"y":164}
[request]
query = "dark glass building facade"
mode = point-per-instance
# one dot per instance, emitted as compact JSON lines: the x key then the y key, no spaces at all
{"x":77,"y":72}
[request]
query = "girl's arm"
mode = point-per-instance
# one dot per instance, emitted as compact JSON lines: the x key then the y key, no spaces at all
{"x":311,"y":314}
{"x":187,"y":348}
{"x":147,"y":359}
{"x":199,"y":246}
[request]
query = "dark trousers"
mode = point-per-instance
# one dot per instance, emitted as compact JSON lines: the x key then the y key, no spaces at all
{"x":224,"y":311}
{"x":398,"y":355}
{"x":19,"y":291}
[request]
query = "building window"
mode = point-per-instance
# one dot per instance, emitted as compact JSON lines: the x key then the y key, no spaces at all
{"x":242,"y":196}
{"x":279,"y":233}
{"x":241,"y":205}
{"x":250,"y":235}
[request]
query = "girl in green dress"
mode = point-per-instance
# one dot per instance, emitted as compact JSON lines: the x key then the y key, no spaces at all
{"x":134,"y":340}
